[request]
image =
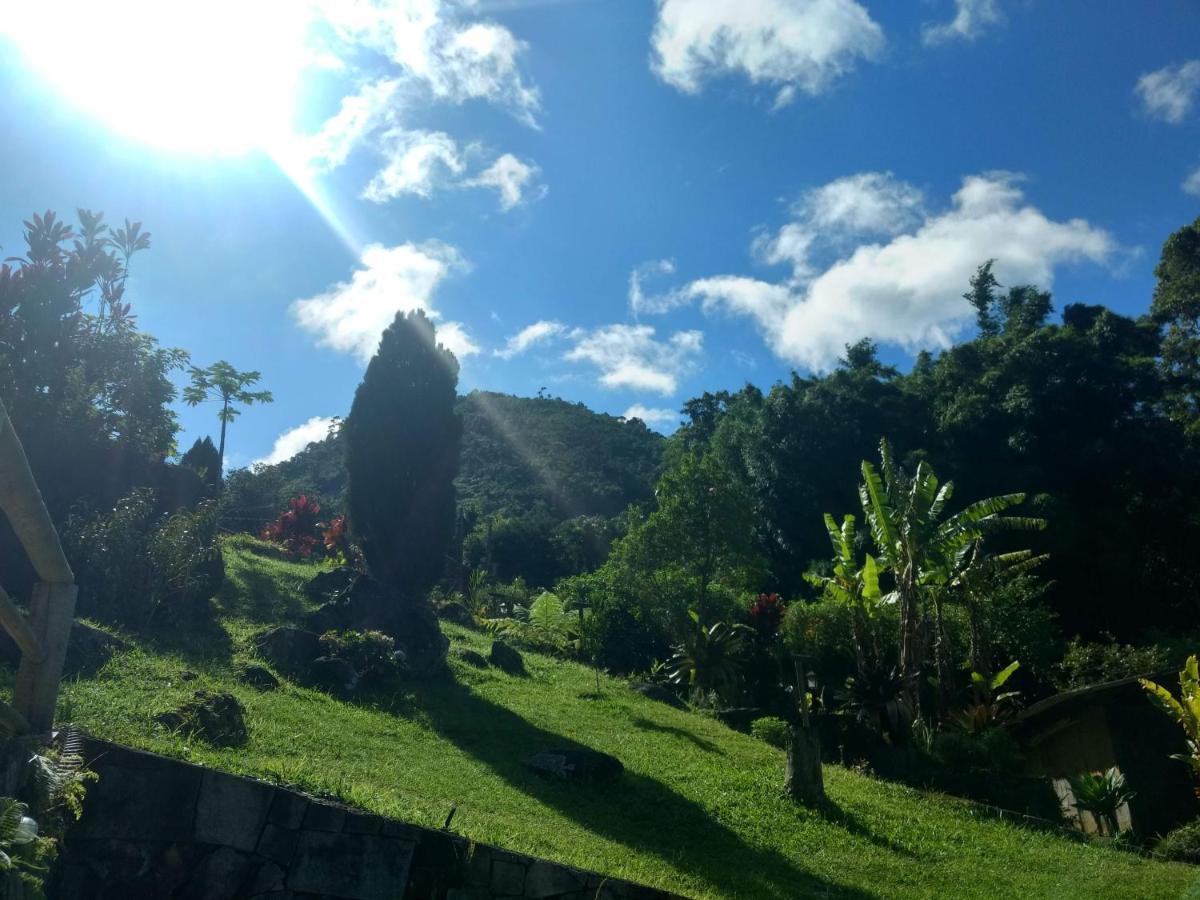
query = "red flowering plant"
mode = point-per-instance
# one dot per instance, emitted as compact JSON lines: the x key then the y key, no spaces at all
{"x":339,"y":549}
{"x":297,"y":529}
{"x":766,"y":614}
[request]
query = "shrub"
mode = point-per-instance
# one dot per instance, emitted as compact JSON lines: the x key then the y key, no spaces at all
{"x":372,"y":653}
{"x":134,"y":565}
{"x":772,"y":730}
{"x":1181,"y":845}
{"x":297,"y":529}
{"x":992,"y":749}
{"x":1087,"y":663}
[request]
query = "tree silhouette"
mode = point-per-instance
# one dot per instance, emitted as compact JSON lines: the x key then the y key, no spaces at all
{"x":224,"y":383}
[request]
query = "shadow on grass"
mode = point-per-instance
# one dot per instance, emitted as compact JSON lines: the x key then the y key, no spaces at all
{"x":638,"y":812}
{"x":647,"y":725}
{"x":258,"y":598}
{"x":834,"y":814}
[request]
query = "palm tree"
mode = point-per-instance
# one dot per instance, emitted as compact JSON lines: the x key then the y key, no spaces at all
{"x":225,"y":384}
{"x":924,"y":549}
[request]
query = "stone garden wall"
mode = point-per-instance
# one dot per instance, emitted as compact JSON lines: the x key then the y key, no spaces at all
{"x":154,"y":827}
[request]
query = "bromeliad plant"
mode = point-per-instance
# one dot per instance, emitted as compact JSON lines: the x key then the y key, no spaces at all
{"x":709,"y":660}
{"x":989,"y":704}
{"x":1185,"y":711}
{"x":1102,"y":794}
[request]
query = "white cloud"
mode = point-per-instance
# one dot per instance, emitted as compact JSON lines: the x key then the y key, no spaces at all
{"x":1169,"y":92}
{"x":352,"y":314}
{"x":653,"y":416}
{"x":296,"y":439}
{"x":840,"y":213}
{"x":432,"y":46}
{"x":513,"y":179}
{"x":791,"y":45}
{"x":537,"y":333}
{"x":629,"y":356}
{"x":1191,"y":184}
{"x":971,"y":19}
{"x":454,"y":337}
{"x":417,"y":161}
{"x":639,"y":301}
{"x":908,"y":289}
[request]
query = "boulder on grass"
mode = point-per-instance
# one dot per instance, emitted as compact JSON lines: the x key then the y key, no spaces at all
{"x":371,"y":606}
{"x":656,"y":692}
{"x":258,"y":676}
{"x":577,"y":766}
{"x":456,"y":613}
{"x":289,"y":649}
{"x":506,"y":658}
{"x":329,"y":673}
{"x":218,"y":719}
{"x":330,"y":583}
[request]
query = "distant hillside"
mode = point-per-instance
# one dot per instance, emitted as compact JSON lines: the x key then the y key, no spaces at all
{"x":519,"y":454}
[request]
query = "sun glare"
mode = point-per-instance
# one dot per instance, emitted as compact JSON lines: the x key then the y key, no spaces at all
{"x":220,"y":76}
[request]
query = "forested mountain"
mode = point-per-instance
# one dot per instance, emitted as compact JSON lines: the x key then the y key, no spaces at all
{"x":521,"y":456}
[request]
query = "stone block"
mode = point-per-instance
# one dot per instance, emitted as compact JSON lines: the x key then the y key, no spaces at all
{"x":358,"y":823}
{"x":354,"y":866}
{"x":267,"y":880}
{"x":231,"y":811}
{"x":508,"y":877}
{"x":288,"y":809}
{"x":324,"y":817}
{"x":148,"y":803}
{"x":278,"y":844}
{"x":219,"y":877}
{"x":545,"y":879}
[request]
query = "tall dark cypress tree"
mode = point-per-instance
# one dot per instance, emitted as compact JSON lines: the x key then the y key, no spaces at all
{"x":402,"y":447}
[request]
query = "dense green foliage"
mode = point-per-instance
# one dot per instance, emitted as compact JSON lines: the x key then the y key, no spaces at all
{"x":402,"y":446}
{"x":698,"y":810}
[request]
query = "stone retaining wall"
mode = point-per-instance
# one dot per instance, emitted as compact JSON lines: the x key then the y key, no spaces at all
{"x":154,"y":827}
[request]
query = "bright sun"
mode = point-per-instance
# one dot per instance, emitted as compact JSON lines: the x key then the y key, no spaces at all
{"x":219,"y":76}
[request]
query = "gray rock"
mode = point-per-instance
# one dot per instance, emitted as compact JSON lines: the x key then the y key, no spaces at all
{"x":222,"y":874}
{"x":329,"y":584}
{"x":656,"y":692}
{"x":506,"y":658}
{"x":371,"y":606}
{"x":456,"y":613}
{"x":288,"y":649}
{"x":357,"y":866}
{"x":258,"y":676}
{"x":577,"y":766}
{"x":216,"y":718}
{"x":329,"y":673}
{"x":140,"y":802}
{"x":231,"y":811}
{"x":471,"y":658}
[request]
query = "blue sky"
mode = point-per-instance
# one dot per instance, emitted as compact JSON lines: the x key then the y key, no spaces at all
{"x":625,"y":202}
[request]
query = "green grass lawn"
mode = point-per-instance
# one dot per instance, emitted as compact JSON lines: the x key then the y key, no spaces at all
{"x":699,"y":810}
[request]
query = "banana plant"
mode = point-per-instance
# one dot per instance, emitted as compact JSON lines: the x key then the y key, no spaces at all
{"x":920,"y":545}
{"x":854,"y":586}
{"x":1185,"y":710}
{"x":989,"y":704}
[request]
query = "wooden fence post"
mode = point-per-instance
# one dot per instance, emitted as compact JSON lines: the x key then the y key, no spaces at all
{"x":51,"y":613}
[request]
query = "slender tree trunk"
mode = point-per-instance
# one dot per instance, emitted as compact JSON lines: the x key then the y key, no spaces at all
{"x":221,"y":451}
{"x":804,"y":781}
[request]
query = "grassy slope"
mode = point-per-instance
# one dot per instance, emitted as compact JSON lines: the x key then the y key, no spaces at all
{"x":698,"y":812}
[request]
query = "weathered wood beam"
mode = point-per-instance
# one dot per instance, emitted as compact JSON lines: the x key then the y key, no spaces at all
{"x":50,"y":615}
{"x":17,"y":625}
{"x":22,"y":503}
{"x":11,"y":720}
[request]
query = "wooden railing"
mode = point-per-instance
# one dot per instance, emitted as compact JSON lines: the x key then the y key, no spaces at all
{"x":43,"y":635}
